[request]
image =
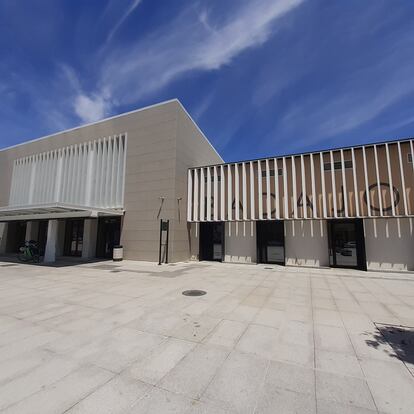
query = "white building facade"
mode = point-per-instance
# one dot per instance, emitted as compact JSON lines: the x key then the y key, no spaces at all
{"x":81,"y":192}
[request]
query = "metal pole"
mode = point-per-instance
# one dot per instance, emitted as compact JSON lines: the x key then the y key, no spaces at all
{"x":166,"y":246}
{"x":159,"y":256}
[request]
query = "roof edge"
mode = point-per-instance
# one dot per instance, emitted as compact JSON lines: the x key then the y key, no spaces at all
{"x":95,"y":123}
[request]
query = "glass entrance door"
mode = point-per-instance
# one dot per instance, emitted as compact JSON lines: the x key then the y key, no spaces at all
{"x":109,"y":235}
{"x":270,"y":242}
{"x":346,"y":244}
{"x":73,"y":238}
{"x":212,"y":241}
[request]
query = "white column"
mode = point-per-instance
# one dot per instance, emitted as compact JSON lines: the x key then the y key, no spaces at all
{"x":354,"y":174}
{"x":252,"y":194}
{"x":277,"y":196}
{"x":208,"y":194}
{"x":295,"y":199}
{"x":222,"y":193}
{"x":304,"y":195}
{"x":322,"y":168}
{"x":90,"y":231}
{"x":268,"y":198}
{"x":237,"y":191}
{"x":404,"y":189}
{"x":189,"y":196}
{"x":52,"y":239}
{"x":313,"y":186}
{"x":259,"y":189}
{"x":367,"y":192}
{"x":244,"y":186}
{"x":333,"y":185}
{"x":344,"y":191}
{"x":387,"y":152}
{"x":215,"y":194}
{"x":378,"y":180}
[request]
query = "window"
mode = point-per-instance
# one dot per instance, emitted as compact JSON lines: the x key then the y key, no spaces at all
{"x":410,"y":158}
{"x":337,"y":165}
{"x":272,"y":172}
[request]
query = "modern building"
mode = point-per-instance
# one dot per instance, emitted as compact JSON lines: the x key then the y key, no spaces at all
{"x":82,"y":191}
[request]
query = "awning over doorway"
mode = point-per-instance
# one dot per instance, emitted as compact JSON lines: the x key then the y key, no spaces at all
{"x":54,"y":211}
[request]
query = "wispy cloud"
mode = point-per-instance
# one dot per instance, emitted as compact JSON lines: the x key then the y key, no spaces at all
{"x":126,"y":14}
{"x":192,"y":41}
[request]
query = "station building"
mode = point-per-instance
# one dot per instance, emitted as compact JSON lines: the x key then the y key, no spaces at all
{"x":83,"y":191}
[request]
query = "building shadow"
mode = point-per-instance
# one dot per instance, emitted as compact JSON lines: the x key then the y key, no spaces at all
{"x":400,"y":338}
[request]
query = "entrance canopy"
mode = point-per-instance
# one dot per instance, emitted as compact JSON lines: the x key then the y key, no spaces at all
{"x":54,"y":211}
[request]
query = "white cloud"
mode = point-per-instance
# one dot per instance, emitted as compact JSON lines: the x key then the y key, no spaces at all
{"x":90,"y":109}
{"x":190,"y":42}
{"x":118,"y":24}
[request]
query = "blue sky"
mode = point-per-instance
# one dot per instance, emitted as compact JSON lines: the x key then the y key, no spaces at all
{"x":260,"y":77}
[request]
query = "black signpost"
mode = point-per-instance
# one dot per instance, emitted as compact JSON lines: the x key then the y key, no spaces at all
{"x":164,"y":231}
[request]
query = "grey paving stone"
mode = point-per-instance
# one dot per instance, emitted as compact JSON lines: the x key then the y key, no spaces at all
{"x":338,"y":363}
{"x":343,"y":390}
{"x":63,"y":394}
{"x":276,"y":400}
{"x":238,"y":382}
{"x":226,"y":333}
{"x":161,"y":360}
{"x":259,"y":340}
{"x":195,"y":371}
{"x":116,"y":396}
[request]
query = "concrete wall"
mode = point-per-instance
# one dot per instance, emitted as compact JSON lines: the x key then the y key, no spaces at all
{"x":240,"y":242}
{"x":389,"y":244}
{"x":306,"y":243}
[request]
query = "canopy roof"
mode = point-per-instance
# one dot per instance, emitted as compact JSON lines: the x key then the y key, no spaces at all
{"x":54,"y":211}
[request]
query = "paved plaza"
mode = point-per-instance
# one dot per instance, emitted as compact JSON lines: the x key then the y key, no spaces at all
{"x":121,"y":338}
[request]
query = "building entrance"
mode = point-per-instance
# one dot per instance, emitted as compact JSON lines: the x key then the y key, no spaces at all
{"x":347,"y":244}
{"x":16,"y":236}
{"x":212,"y":241}
{"x":109,"y":235}
{"x":73,"y":238}
{"x":270,"y":242}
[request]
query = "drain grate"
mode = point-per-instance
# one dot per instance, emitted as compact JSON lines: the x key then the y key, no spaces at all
{"x":9,"y":265}
{"x":269,"y":268}
{"x":194,"y":292}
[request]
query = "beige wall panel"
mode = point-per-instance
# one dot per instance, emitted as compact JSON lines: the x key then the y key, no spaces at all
{"x":306,"y":243}
{"x":240,"y":246}
{"x":389,"y":244}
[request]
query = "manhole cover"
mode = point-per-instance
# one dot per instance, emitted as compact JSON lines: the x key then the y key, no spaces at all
{"x":194,"y":292}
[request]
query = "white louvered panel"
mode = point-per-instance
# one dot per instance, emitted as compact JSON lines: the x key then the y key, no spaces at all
{"x":268,"y":196}
{"x":252,"y":193}
{"x":324,"y":204}
{"x":378,"y":181}
{"x":285,"y":191}
{"x":354,"y":174}
{"x":333,"y":184}
{"x":387,"y":153}
{"x":196,"y":198}
{"x":237,"y":191}
{"x":189,"y":196}
{"x":86,"y":174}
{"x":229,"y":193}
{"x":404,"y":189}
{"x":222,"y":194}
{"x":215,"y":194}
{"x":202,"y":195}
{"x":294,"y":193}
{"x":208,"y":208}
{"x":277,"y":195}
{"x":244,"y":192}
{"x":304,"y":195}
{"x":345,"y":193}
{"x":364,"y":156}
{"x":313,"y":185}
{"x":259,"y":189}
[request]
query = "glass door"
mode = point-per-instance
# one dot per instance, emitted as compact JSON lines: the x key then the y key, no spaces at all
{"x":73,"y":238}
{"x":212,"y":241}
{"x":346,"y":244}
{"x":109,"y":235}
{"x":270,"y":242}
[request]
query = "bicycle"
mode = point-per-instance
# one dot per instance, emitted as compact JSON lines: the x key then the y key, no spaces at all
{"x":29,"y":252}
